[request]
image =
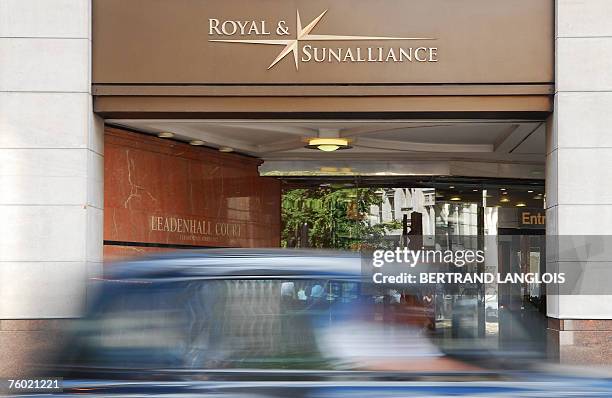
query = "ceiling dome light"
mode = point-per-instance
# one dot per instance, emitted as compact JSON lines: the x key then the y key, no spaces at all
{"x":504,"y":200}
{"x":328,"y":148}
{"x":455,"y":198}
{"x":521,"y":204}
{"x":196,"y":142}
{"x":165,"y":134}
{"x":328,"y":144}
{"x":226,"y":149}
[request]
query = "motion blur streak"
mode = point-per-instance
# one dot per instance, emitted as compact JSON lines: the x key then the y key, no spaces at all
{"x":246,"y":323}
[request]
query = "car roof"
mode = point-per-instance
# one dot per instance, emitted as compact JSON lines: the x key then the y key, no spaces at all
{"x":240,"y":263}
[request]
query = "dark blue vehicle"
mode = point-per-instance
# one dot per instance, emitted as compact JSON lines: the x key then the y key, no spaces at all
{"x":267,"y":323}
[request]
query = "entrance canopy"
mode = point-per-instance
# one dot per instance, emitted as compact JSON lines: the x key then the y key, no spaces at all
{"x":483,"y":148}
{"x":424,"y":59}
{"x":413,"y":87}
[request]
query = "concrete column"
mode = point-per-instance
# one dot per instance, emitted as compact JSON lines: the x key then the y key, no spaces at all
{"x":579,"y":167}
{"x":51,"y":171}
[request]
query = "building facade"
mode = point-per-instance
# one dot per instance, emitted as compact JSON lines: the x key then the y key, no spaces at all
{"x":87,"y":88}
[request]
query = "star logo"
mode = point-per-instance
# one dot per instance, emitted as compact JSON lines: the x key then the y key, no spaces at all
{"x":303,"y":34}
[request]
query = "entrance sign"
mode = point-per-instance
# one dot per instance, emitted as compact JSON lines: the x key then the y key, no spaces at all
{"x":323,"y":42}
{"x":533,"y":219}
{"x":309,"y":53}
{"x":521,"y":218}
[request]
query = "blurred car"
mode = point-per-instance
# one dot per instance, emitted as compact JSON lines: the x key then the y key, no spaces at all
{"x":255,"y":323}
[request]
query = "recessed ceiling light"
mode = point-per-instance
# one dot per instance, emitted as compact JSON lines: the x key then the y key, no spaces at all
{"x":226,"y":149}
{"x":530,"y":191}
{"x":521,"y":204}
{"x":452,"y":187}
{"x":475,"y":190}
{"x":502,"y":189}
{"x":455,"y":198}
{"x":328,"y":144}
{"x":165,"y":134}
{"x":504,"y":200}
{"x":196,"y":142}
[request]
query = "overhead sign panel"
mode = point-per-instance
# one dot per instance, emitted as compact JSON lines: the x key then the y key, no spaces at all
{"x":208,"y":42}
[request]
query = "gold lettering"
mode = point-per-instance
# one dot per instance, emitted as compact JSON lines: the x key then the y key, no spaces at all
{"x":194,"y":227}
{"x":235,"y":230}
{"x":264,"y":31}
{"x":334,"y":54}
{"x":525,"y":219}
{"x":307,"y":56}
{"x":416,"y":54}
{"x":406,"y":53}
{"x":528,"y":218}
{"x":253,"y":29}
{"x":213,"y":26}
{"x":371,"y":57}
{"x":348,"y":55}
{"x":359,"y":56}
{"x":391,"y":55}
{"x":316,"y":55}
{"x":433,"y":54}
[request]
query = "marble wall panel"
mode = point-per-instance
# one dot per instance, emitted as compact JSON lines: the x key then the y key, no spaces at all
{"x":166,"y":192}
